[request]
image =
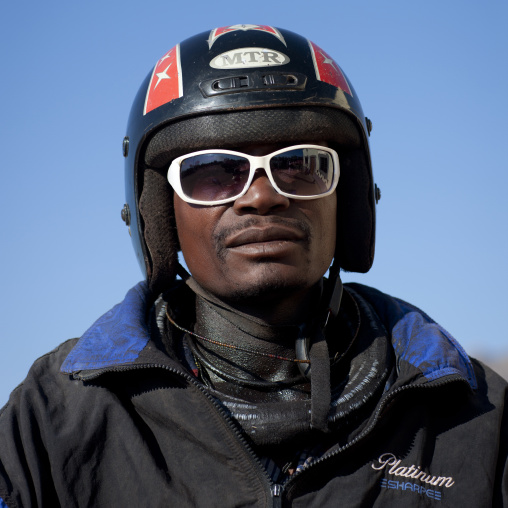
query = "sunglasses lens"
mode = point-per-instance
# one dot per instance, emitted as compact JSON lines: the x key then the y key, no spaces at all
{"x":213,"y":176}
{"x":303,"y":171}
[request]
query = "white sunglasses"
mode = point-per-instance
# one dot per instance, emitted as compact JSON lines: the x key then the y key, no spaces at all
{"x":215,"y":177}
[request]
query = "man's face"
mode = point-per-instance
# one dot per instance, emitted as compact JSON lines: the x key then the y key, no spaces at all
{"x":261,"y":246}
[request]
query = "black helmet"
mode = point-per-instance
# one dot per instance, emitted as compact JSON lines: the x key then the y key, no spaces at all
{"x":235,"y":86}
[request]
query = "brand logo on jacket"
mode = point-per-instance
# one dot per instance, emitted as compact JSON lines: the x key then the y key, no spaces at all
{"x":245,"y":58}
{"x":404,"y":474}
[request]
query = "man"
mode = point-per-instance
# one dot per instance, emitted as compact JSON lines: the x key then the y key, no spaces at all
{"x":254,"y":381}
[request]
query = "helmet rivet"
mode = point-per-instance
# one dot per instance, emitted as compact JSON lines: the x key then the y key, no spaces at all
{"x":125,"y":146}
{"x":377,"y":193}
{"x":126,"y":214}
{"x":368,"y":121}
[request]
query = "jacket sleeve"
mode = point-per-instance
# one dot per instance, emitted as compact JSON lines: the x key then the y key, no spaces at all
{"x":26,"y":421}
{"x":501,"y":490}
{"x":20,"y":449}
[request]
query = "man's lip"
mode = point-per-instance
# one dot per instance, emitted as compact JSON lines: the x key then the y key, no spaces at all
{"x":273,"y":233}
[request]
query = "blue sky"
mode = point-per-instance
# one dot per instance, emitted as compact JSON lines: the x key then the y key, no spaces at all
{"x":431,"y":75}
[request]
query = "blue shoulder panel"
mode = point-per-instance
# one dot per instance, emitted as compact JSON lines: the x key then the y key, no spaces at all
{"x":418,"y":339}
{"x":425,"y":344}
{"x":115,"y":338}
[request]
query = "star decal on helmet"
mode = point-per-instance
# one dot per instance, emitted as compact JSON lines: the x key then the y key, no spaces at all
{"x":162,"y":75}
{"x":217,"y":32}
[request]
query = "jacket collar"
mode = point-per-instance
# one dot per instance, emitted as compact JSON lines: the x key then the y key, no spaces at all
{"x":116,"y":338}
{"x":119,"y":336}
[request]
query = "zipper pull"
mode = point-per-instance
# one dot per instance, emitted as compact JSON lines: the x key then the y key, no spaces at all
{"x":276,"y":492}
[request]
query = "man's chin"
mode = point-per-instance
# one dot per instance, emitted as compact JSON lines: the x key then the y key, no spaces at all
{"x":268,"y":288}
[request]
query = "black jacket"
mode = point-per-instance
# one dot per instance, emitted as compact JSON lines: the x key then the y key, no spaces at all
{"x":111,"y":421}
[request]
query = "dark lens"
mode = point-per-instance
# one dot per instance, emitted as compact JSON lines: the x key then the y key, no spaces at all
{"x":213,"y":176}
{"x":303,"y":171}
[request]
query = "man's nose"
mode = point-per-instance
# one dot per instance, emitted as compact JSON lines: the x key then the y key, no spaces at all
{"x":261,"y":197}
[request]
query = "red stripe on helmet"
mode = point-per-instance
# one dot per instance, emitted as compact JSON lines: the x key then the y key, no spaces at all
{"x":166,"y":81}
{"x":327,"y":69}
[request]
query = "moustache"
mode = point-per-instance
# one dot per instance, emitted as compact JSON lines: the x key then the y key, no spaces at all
{"x":220,"y":234}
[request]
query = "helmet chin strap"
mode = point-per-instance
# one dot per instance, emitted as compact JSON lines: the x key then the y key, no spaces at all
{"x":311,"y":346}
{"x":332,"y":295}
{"x":182,"y":272}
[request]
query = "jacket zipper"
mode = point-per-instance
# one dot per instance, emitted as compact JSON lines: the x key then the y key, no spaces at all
{"x":276,"y":495}
{"x":276,"y":489}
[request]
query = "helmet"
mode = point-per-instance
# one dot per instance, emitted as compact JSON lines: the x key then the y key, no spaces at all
{"x":234,"y":86}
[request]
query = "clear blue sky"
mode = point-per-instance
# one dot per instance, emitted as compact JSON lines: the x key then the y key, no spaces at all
{"x":431,"y":75}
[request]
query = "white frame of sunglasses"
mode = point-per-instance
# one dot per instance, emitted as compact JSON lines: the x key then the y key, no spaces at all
{"x":256,"y":162}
